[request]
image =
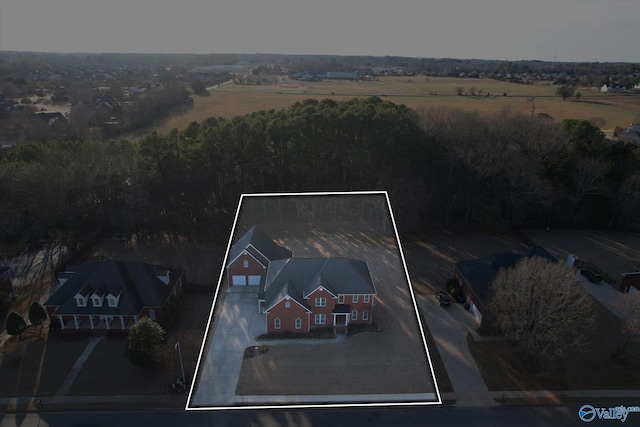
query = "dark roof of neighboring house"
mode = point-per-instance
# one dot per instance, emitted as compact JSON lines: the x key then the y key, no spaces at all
{"x":298,"y":277}
{"x":263,"y":243}
{"x":479,"y":273}
{"x":136,"y":282}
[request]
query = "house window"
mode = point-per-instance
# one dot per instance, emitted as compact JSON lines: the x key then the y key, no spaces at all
{"x":354,"y":315}
{"x":298,"y":323}
{"x":96,"y":301}
{"x":341,"y":299}
{"x":321,"y":302}
{"x":367,"y":299}
{"x":245,"y":263}
{"x":320,"y":319}
{"x":81,"y":301}
{"x":287,"y":304}
{"x":365,"y":315}
{"x":355,"y":299}
{"x":276,"y":323}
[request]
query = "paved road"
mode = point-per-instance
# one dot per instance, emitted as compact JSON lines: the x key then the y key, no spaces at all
{"x":521,"y":416}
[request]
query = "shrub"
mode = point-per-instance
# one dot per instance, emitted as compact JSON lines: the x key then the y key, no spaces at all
{"x":456,"y":292}
{"x":452,"y":283}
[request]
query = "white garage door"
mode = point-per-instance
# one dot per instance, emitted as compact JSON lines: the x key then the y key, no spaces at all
{"x":239,"y":280}
{"x":254,"y":280}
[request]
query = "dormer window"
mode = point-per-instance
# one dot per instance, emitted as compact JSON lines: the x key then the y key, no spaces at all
{"x":81,"y":301}
{"x":97,"y":300}
{"x":113,"y":300}
{"x":163,"y":276}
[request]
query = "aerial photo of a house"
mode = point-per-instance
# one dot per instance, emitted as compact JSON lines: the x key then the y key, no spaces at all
{"x":298,"y":294}
{"x":110,"y":296}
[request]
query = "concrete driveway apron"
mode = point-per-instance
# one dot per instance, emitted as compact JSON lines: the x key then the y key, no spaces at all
{"x":239,"y":323}
{"x":449,"y":327}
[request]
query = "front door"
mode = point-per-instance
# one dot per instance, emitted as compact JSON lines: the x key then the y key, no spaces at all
{"x":340,"y":323}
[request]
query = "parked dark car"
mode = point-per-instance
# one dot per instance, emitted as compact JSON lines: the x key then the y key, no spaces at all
{"x":443,"y":298}
{"x":591,"y":275}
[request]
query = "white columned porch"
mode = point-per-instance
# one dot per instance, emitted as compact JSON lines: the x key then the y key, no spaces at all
{"x":61,"y":320}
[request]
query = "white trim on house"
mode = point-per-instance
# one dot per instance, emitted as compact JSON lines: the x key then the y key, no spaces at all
{"x":319,"y":288}
{"x":245,"y":251}
{"x":323,"y":318}
{"x":287,"y":297}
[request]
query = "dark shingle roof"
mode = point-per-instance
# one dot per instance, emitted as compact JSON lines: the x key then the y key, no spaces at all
{"x":259,"y":240}
{"x":298,"y":277}
{"x":136,"y":283}
{"x":479,"y":273}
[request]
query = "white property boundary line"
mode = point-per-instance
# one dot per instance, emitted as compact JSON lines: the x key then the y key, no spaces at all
{"x":328,"y":405}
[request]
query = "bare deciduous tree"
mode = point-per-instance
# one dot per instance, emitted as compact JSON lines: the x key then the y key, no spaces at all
{"x":629,"y":307}
{"x":539,"y":306}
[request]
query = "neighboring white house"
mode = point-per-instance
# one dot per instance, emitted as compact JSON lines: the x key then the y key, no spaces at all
{"x":613,"y":89}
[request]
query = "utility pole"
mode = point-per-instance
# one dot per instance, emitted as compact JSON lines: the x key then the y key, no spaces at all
{"x":177,"y":347}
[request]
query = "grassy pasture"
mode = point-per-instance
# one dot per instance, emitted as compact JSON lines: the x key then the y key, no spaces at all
{"x":415,"y":92}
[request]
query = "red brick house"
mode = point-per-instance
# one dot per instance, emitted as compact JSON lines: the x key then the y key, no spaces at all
{"x":110,"y":296}
{"x":300,"y":294}
{"x":476,"y":275}
{"x":250,"y":256}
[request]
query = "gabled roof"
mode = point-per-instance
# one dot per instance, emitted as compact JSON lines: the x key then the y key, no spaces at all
{"x":479,"y":273}
{"x":299,"y":277}
{"x":136,"y":281}
{"x":260,"y":241}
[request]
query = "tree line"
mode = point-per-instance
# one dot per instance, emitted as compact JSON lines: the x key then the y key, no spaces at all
{"x":439,"y":165}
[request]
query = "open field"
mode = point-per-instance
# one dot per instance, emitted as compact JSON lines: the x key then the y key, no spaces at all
{"x":415,"y":92}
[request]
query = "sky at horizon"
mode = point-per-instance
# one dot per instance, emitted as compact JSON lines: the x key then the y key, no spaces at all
{"x":546,"y":30}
